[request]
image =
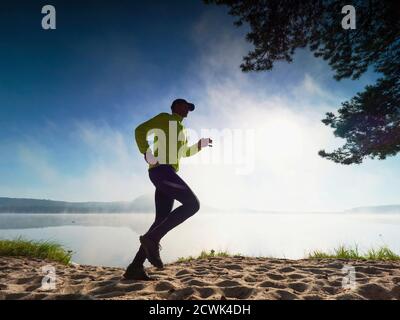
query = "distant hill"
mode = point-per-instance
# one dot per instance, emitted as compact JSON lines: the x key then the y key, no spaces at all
{"x":376,"y":209}
{"x":142,"y":204}
{"x":18,"y":205}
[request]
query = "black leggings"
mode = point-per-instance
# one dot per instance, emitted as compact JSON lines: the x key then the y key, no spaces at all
{"x":169,"y":187}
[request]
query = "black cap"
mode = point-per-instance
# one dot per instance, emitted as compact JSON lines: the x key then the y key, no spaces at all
{"x":176,"y":101}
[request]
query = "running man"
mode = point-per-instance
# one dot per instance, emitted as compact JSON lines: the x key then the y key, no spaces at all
{"x":170,"y":144}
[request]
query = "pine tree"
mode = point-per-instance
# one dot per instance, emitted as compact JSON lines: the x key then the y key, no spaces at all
{"x":370,"y":121}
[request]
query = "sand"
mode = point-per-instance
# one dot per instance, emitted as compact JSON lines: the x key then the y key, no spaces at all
{"x":214,"y":278}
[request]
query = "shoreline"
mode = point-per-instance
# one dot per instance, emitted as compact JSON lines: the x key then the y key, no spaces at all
{"x":216,"y":278}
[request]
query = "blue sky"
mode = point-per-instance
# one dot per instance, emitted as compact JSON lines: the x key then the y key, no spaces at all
{"x":71,"y":97}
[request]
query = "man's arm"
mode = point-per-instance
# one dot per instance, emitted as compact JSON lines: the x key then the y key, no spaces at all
{"x":142,"y":131}
{"x":192,"y":150}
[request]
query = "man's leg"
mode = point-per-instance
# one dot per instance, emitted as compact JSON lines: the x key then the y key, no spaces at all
{"x":163,"y":204}
{"x":167,"y":181}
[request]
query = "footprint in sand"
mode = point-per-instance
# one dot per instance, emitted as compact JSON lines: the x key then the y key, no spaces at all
{"x":296,"y":276}
{"x":164,"y":286}
{"x":3,"y":286}
{"x":130,"y":287}
{"x":299,"y":286}
{"x":396,"y":292}
{"x":14,"y":296}
{"x":285,"y":295}
{"x":335,"y":283}
{"x":159,"y":272}
{"x":35,"y":296}
{"x":169,"y":279}
{"x":233,"y":267}
{"x":183,"y":272}
{"x":100,"y":289}
{"x":311,"y":297}
{"x":250,"y":279}
{"x":182,"y":293}
{"x":206,"y":292}
{"x":33,"y":287}
{"x":217,"y":273}
{"x":68,"y":296}
{"x":315,"y":271}
{"x":238,"y":292}
{"x":262,"y":269}
{"x":27,"y":280}
{"x":195,"y":282}
{"x":388,"y":266}
{"x":348,"y":296}
{"x":396,"y":280}
{"x":80,"y":277}
{"x":271,"y":284}
{"x":361,"y":276}
{"x":331,"y":290}
{"x":252,"y":263}
{"x":368,"y":270}
{"x":275,"y":276}
{"x":335,"y":265}
{"x":373,"y":291}
{"x":237,"y":275}
{"x":102,"y":283}
{"x":227,"y":283}
{"x":186,"y":279}
{"x":201,"y":268}
{"x":110,"y":295}
{"x":201,"y":273}
{"x":286,"y":269}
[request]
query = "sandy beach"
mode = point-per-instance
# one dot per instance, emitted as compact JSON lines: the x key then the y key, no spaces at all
{"x":213,"y":278}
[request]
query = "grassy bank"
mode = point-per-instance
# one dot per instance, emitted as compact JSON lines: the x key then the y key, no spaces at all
{"x":343,"y":252}
{"x":207,"y":254}
{"x":35,"y":249}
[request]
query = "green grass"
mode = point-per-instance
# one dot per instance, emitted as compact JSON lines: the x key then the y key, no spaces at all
{"x":207,"y":254}
{"x":35,"y":249}
{"x":343,"y":252}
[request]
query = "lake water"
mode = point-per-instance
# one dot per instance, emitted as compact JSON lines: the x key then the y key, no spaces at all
{"x":113,"y":239}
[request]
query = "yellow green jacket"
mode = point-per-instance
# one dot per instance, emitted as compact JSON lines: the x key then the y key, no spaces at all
{"x":170,"y":141}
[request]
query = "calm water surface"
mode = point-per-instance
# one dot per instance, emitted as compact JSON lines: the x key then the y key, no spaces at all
{"x":112,"y":239}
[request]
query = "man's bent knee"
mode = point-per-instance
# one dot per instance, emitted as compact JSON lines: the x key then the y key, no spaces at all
{"x":192,"y":205}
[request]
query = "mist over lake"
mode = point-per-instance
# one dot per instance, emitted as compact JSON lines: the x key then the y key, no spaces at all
{"x":112,"y":239}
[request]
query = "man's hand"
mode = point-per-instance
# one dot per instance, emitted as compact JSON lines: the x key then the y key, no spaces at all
{"x":204,"y":142}
{"x":150,"y":158}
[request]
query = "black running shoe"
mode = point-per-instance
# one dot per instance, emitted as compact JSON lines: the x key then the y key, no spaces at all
{"x":136,"y":273}
{"x":152,"y":250}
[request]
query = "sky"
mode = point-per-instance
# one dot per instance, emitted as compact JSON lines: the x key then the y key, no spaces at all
{"x":71,"y":98}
